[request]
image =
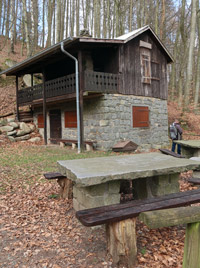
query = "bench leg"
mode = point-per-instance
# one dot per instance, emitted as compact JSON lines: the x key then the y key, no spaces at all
{"x":62,"y":144}
{"x":121,"y":241}
{"x":65,"y":188}
{"x":73,"y":146}
{"x":191,"y":258}
{"x":89,"y":147}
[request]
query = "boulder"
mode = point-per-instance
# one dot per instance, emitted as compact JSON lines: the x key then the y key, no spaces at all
{"x":24,"y":129}
{"x":10,"y":119}
{"x":11,"y":133}
{"x":36,"y":139}
{"x":22,"y":138}
{"x":3,"y":122}
{"x":10,"y":63}
{"x":11,"y":138}
{"x":31,"y":126}
{"x":6,"y":128}
{"x":13,"y":124}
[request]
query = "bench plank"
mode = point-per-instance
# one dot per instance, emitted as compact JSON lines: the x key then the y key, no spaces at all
{"x":53,"y":175}
{"x":194,"y":181}
{"x":170,"y":217}
{"x":72,"y":141}
{"x":118,"y":212}
{"x":168,"y":152}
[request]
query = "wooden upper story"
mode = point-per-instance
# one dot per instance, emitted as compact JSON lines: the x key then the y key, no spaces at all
{"x":132,"y":64}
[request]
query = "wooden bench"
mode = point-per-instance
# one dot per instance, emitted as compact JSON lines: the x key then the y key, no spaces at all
{"x":89,"y":144}
{"x":120,"y":220}
{"x":176,"y":216}
{"x":168,"y":152}
{"x":63,"y":181}
{"x":195,"y":181}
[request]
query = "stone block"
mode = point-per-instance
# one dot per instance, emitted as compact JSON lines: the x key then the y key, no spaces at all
{"x":111,"y":199}
{"x":97,"y":190}
{"x":114,"y":187}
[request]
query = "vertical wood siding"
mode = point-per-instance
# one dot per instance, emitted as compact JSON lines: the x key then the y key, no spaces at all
{"x":130,"y":66}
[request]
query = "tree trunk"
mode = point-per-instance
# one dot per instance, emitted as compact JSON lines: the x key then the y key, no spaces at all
{"x":27,"y":33}
{"x":77,"y":17}
{"x":58,"y":21}
{"x":190,"y":55}
{"x":12,"y":26}
{"x":197,"y":85}
{"x":130,"y":15}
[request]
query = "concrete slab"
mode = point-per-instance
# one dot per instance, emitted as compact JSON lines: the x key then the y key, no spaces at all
{"x":189,"y":143}
{"x":93,"y":171}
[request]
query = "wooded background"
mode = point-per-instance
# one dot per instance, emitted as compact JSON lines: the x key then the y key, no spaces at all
{"x":41,"y":23}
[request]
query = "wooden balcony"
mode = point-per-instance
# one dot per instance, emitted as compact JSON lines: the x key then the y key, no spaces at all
{"x":95,"y":82}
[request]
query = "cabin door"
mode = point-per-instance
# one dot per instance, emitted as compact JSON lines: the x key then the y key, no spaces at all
{"x":55,"y":124}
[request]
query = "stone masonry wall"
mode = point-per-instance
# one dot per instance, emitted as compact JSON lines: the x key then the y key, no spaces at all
{"x":108,"y":119}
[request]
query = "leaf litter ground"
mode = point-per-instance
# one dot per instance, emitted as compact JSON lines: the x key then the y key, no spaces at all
{"x":37,"y":229}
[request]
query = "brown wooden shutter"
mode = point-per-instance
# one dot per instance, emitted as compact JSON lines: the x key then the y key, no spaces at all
{"x":70,"y":119}
{"x":140,"y":116}
{"x":40,"y":119}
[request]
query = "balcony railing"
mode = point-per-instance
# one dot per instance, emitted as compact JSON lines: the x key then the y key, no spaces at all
{"x":93,"y":82}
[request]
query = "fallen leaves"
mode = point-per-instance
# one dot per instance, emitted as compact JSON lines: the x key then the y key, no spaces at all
{"x":38,"y":231}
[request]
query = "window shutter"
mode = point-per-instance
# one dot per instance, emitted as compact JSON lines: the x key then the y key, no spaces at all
{"x":40,"y":121}
{"x":70,"y":119}
{"x":140,"y":116}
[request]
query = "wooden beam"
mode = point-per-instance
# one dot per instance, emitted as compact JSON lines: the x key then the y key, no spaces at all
{"x":32,"y":80}
{"x":17,"y":100}
{"x":44,"y":110}
{"x":191,"y":258}
{"x":170,"y":217}
{"x":81,"y":89}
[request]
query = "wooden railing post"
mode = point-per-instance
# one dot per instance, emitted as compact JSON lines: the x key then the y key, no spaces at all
{"x":17,"y":98}
{"x":44,"y":109}
{"x":81,"y":88}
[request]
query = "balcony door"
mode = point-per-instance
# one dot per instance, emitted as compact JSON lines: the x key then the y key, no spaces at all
{"x":55,"y":124}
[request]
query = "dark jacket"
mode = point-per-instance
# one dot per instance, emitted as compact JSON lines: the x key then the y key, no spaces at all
{"x":179,"y":130}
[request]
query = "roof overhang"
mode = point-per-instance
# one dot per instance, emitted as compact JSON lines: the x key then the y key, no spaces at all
{"x":35,"y":62}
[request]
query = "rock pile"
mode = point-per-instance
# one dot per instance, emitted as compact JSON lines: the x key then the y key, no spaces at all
{"x":18,"y":131}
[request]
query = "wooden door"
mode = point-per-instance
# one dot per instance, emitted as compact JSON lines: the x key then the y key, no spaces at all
{"x":55,"y":124}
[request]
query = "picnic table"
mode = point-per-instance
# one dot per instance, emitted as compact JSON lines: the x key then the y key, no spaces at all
{"x":189,"y":148}
{"x":96,"y":181}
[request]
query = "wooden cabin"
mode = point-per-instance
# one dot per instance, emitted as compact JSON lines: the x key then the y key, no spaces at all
{"x":122,"y":90}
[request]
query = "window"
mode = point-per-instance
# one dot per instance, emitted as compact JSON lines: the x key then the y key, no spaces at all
{"x":70,"y":119}
{"x":145,"y":59}
{"x":146,"y":68}
{"x":40,"y":120}
{"x":140,"y":116}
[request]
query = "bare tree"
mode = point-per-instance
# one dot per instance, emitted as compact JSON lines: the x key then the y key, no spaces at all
{"x":190,"y":54}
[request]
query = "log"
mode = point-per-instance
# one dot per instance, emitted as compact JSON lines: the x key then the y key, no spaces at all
{"x":170,"y":217}
{"x":121,"y":242}
{"x":65,"y":188}
{"x":191,"y":258}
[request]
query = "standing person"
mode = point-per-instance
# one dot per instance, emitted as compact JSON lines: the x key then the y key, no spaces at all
{"x":176,"y":134}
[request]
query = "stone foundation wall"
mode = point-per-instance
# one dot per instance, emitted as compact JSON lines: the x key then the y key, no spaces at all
{"x":108,"y":119}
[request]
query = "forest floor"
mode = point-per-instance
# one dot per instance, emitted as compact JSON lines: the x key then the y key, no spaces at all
{"x":37,"y":229}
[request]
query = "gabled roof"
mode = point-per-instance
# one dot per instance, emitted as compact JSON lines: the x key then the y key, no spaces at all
{"x":36,"y":61}
{"x":131,"y":35}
